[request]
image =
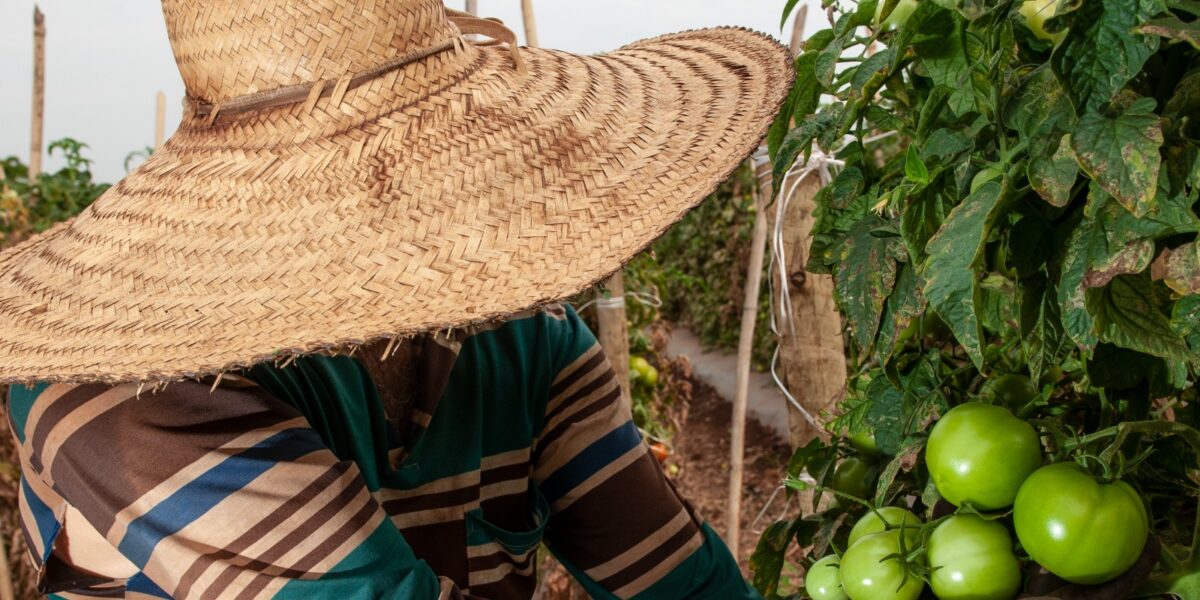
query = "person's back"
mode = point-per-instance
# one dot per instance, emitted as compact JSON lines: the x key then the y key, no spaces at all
{"x":296,"y":482}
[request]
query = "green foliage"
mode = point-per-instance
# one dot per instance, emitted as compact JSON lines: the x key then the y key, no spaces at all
{"x":1033,"y":212}
{"x":52,"y":198}
{"x":698,"y":269}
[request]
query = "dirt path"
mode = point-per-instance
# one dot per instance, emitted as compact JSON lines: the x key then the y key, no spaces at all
{"x":702,"y":454}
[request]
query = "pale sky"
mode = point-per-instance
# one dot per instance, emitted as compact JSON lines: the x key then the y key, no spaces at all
{"x":106,"y":59}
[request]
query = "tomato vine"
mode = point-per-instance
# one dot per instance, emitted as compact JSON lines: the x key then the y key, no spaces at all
{"x":1015,"y":224}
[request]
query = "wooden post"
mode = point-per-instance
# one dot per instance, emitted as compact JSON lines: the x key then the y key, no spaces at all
{"x":811,"y":355}
{"x":473,"y":7}
{"x":737,"y":445}
{"x":614,"y":331}
{"x":531,"y":36}
{"x":798,"y":28}
{"x":160,"y":120}
{"x":39,"y":94}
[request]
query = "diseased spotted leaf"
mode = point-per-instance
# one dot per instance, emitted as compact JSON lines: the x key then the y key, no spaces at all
{"x":1108,"y":230}
{"x":1102,"y":50}
{"x":1053,"y":175}
{"x":951,"y":271}
{"x":1183,"y":269}
{"x":905,"y":304}
{"x":1133,"y":258}
{"x":1185,"y":320}
{"x":865,"y":276}
{"x":1128,"y":315}
{"x":1122,"y":153}
{"x":1172,"y":28}
{"x":767,"y":559}
{"x":876,"y":67}
{"x":1041,"y":108}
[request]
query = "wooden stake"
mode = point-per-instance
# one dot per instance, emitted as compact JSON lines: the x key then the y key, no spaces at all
{"x":798,"y":28}
{"x":160,"y":121}
{"x":473,"y":7}
{"x":531,"y":36}
{"x":737,"y":445}
{"x":614,"y":332}
{"x":39,"y":94}
{"x":6,"y":582}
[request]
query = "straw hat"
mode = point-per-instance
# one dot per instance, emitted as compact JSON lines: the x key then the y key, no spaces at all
{"x":349,"y":170}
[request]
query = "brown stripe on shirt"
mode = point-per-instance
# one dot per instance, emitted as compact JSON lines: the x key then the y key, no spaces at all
{"x":54,"y":410}
{"x":183,"y":423}
{"x":592,"y":531}
{"x":262,"y":528}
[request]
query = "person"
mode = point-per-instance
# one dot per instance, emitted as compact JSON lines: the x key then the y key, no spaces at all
{"x":315,"y":346}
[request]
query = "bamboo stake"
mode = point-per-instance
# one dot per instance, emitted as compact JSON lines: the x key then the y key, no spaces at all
{"x":160,"y":121}
{"x":798,"y":28}
{"x":737,"y":445}
{"x":39,"y":94}
{"x":473,"y":7}
{"x":531,"y":36}
{"x":614,"y":332}
{"x":6,"y":583}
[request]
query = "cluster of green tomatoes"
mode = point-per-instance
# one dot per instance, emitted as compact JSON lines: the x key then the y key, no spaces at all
{"x":988,"y":464}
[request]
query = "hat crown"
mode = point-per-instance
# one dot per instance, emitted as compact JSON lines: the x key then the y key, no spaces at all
{"x":231,"y":48}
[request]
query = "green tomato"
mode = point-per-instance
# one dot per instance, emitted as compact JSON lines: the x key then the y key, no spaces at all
{"x":869,"y":574}
{"x":980,"y":454}
{"x":1036,"y":12}
{"x":823,"y":580}
{"x":864,"y":443}
{"x":983,"y":176}
{"x":638,"y":366}
{"x":898,"y":17}
{"x":972,"y":559}
{"x":1077,"y":528}
{"x":650,"y":377}
{"x":893,"y":516}
{"x":853,"y":476}
{"x":1012,"y":391}
{"x":935,"y":327}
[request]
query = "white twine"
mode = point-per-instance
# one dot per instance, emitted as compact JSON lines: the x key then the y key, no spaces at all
{"x":824,"y":165}
{"x":644,"y":298}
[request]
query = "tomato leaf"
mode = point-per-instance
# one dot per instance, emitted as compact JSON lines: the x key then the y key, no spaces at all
{"x":1122,"y":153}
{"x":1183,"y":269}
{"x":914,"y":169}
{"x":865,"y":277}
{"x":1128,"y":315}
{"x":1172,"y":28}
{"x":1102,"y":52}
{"x":767,"y":560}
{"x":951,"y":281}
{"x":1044,"y":342}
{"x":1053,"y":175}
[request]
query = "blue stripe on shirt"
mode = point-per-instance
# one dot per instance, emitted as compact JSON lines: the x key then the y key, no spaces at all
{"x":198,"y":496}
{"x":600,"y":454}
{"x":43,"y":517}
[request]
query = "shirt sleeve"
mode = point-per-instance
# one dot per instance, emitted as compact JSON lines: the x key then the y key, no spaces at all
{"x":225,"y":494}
{"x":616,"y":522}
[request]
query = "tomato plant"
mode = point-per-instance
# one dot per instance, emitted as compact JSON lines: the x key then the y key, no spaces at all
{"x":1012,"y":227}
{"x":1079,"y":529}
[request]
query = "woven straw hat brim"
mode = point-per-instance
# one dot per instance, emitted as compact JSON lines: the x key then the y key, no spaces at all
{"x":448,"y":193}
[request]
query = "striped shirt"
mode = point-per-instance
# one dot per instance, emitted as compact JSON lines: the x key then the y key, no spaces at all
{"x":291,"y":482}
